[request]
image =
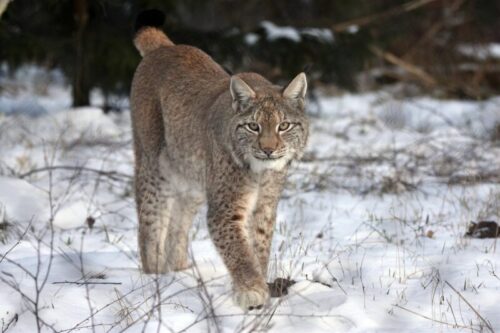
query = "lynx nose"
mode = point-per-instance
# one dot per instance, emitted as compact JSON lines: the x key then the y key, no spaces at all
{"x":268,"y":151}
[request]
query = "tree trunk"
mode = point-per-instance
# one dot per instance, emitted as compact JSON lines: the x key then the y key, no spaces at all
{"x":81,"y":89}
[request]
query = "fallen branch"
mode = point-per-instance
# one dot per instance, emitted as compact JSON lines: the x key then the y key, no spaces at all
{"x":419,"y":73}
{"x":85,"y":282}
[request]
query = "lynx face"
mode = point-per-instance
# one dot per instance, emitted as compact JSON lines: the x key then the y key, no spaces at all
{"x":271,"y":129}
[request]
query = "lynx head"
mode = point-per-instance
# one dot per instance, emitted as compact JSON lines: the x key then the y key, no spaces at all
{"x":270,"y":128}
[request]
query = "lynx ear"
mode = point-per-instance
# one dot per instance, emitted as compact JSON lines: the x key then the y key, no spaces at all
{"x":297,"y":88}
{"x":240,"y":91}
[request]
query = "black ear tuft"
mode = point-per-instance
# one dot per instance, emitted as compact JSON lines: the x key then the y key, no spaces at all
{"x":308,"y":68}
{"x":149,"y":18}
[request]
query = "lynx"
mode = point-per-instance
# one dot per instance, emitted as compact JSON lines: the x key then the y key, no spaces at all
{"x":202,"y":136}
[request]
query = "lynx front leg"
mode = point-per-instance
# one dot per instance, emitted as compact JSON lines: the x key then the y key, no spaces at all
{"x":264,"y":216}
{"x":263,"y":221}
{"x":154,"y":209}
{"x":227,"y":219}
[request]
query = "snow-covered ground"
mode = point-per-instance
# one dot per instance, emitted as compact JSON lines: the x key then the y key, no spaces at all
{"x":371,"y":224}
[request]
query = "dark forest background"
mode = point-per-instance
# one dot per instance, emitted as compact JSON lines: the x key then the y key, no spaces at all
{"x":375,"y":42}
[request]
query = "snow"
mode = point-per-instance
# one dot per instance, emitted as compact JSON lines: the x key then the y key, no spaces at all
{"x":251,"y":38}
{"x":72,"y":215}
{"x":274,"y":32}
{"x":31,"y":90}
{"x":371,"y":225}
{"x":87,"y":121}
{"x":324,"y":35}
{"x":22,"y":201}
{"x":353,"y":29}
{"x":480,"y":51}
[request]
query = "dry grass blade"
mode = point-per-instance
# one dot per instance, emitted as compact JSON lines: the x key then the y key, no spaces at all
{"x":435,"y":320}
{"x":486,"y":322}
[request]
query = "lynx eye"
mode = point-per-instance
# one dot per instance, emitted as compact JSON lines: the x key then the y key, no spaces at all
{"x":254,"y":127}
{"x":284,"y":126}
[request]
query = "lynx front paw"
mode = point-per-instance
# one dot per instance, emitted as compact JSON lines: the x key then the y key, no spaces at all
{"x":251,"y":298}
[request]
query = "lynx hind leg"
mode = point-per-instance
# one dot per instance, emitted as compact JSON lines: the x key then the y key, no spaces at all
{"x":183,"y":215}
{"x":154,"y":209}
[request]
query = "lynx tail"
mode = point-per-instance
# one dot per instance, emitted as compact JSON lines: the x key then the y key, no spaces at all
{"x":148,"y":34}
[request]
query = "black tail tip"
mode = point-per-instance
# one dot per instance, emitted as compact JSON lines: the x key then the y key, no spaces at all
{"x":149,"y":18}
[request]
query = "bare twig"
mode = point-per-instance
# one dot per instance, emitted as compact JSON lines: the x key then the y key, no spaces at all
{"x":83,"y":283}
{"x":204,"y":291}
{"x":395,"y":11}
{"x":29,"y":301}
{"x":87,"y":290}
{"x":14,"y":319}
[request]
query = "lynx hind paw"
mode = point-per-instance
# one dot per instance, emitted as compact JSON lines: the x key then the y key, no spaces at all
{"x":251,"y":299}
{"x":182,"y":266}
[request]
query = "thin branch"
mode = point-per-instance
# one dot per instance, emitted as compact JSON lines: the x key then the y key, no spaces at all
{"x":366,"y":20}
{"x":416,"y":71}
{"x":115,"y":175}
